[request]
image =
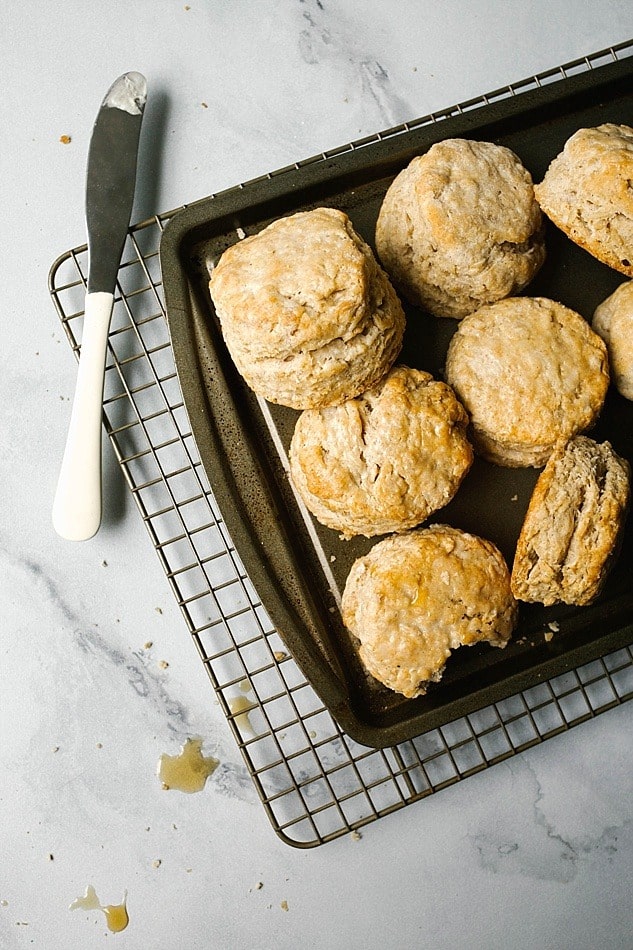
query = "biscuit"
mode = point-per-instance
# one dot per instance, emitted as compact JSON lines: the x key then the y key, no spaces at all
{"x":307,"y":314}
{"x":416,"y":597}
{"x":384,"y":461}
{"x":530,"y":372}
{"x":613,"y":321}
{"x":587,"y":193}
{"x":573,"y":523}
{"x":460,"y":227}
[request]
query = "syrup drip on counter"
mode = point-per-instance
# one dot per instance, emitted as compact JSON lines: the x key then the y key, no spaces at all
{"x":189,"y":770}
{"x":115,"y":914}
{"x":240,"y":707}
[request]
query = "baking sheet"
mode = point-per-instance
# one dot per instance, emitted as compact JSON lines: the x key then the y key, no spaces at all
{"x":298,"y":567}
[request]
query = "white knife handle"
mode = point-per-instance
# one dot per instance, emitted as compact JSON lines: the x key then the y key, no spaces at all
{"x":77,"y":504}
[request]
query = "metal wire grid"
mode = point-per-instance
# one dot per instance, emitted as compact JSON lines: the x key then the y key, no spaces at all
{"x":314,"y":781}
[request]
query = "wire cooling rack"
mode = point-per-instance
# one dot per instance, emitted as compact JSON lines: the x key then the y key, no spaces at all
{"x":314,"y":782}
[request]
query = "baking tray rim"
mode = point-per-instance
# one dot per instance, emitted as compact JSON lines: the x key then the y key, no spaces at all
{"x":180,"y":233}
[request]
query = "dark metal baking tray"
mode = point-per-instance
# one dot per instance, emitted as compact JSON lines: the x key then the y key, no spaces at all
{"x":298,"y":567}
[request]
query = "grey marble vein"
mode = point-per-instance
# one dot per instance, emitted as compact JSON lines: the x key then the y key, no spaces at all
{"x":92,"y":643}
{"x":329,"y":38}
{"x":538,"y":848}
{"x":94,"y":683}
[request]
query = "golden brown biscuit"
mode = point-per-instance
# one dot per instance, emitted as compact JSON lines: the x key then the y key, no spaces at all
{"x":587,"y":193}
{"x":308,"y":316}
{"x":384,"y":461}
{"x":416,"y":597}
{"x":573,"y":523}
{"x":460,"y":227}
{"x":613,"y":321}
{"x":530,"y":373}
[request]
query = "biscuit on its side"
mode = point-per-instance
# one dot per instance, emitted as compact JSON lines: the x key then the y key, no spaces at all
{"x":573,"y":524}
{"x":530,"y":372}
{"x":613,"y":321}
{"x":307,"y":314}
{"x":460,"y":227}
{"x":384,"y":461}
{"x":587,"y":193}
{"x":416,"y":597}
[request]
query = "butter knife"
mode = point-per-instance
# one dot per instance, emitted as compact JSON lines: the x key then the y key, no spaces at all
{"x":110,"y":181}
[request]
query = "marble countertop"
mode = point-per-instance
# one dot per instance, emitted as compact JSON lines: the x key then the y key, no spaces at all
{"x":536,"y":852}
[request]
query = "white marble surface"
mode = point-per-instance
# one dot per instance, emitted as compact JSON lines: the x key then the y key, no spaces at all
{"x":534,"y":853}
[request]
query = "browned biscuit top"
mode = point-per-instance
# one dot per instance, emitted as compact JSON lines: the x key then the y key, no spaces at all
{"x":530,"y":372}
{"x":416,"y":597}
{"x":306,"y":312}
{"x":460,"y":227}
{"x":587,"y":193}
{"x":613,"y":321}
{"x":385,"y":460}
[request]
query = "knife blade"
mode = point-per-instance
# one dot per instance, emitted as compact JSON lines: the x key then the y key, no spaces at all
{"x":110,"y":184}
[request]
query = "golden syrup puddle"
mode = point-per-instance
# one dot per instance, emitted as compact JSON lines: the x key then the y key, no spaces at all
{"x":116,"y":915}
{"x":189,"y":770}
